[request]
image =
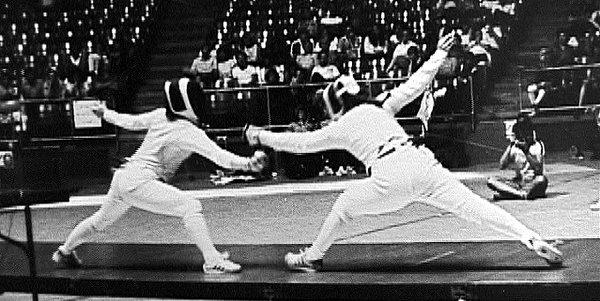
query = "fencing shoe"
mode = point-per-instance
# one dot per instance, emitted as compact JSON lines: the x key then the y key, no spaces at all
{"x":221,"y":266}
{"x":549,"y":252}
{"x":298,"y":262}
{"x":62,"y":260}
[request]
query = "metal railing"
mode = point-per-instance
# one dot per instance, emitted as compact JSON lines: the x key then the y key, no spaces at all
{"x":274,"y":105}
{"x":572,"y":81}
{"x":45,"y":122}
{"x":48,"y":121}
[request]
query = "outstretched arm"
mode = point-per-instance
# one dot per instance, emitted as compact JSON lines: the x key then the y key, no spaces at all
{"x":418,"y":82}
{"x":198,"y":142}
{"x":300,"y":143}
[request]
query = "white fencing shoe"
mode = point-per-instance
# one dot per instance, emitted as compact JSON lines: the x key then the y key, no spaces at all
{"x":549,"y":252}
{"x":298,"y":262}
{"x":221,"y":266}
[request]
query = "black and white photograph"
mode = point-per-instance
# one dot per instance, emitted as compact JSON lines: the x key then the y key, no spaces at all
{"x":300,"y":150}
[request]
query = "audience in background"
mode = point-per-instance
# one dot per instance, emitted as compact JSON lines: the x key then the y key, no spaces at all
{"x":301,"y":52}
{"x":252,"y":49}
{"x":400,"y":59}
{"x":562,"y":52}
{"x":323,"y":44}
{"x":348,"y":47}
{"x":479,"y":50}
{"x":272,"y":76}
{"x":243,"y":73}
{"x":62,"y":50}
{"x":375,"y":44}
{"x":304,"y":46}
{"x":204,"y":68}
{"x":225,"y":63}
{"x":324,"y":71}
{"x":361,"y":47}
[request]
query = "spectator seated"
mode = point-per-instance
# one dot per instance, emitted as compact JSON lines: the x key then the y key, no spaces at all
{"x":204,"y":68}
{"x":324,"y":71}
{"x":76,"y":40}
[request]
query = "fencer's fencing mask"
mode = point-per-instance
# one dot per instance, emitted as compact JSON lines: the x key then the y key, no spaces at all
{"x":334,"y":93}
{"x":185,"y":98}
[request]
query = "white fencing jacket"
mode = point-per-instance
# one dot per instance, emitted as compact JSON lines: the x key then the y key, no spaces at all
{"x":365,"y":128}
{"x":167,"y":144}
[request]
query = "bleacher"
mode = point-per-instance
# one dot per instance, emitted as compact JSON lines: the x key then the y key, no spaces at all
{"x":54,"y":59}
{"x":85,"y":42}
{"x":274,"y":26}
{"x":38,"y":42}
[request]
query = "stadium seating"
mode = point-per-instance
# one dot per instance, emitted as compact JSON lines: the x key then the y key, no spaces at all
{"x":87,"y":36}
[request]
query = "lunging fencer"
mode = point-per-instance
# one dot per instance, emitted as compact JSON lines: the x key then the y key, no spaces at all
{"x":172,"y":136}
{"x":400,"y":173}
{"x":525,"y":155}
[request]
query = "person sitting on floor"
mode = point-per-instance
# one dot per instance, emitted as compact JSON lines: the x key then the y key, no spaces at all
{"x":525,"y":155}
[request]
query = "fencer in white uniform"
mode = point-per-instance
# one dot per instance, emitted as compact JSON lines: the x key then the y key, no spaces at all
{"x":400,"y":173}
{"x":172,"y":136}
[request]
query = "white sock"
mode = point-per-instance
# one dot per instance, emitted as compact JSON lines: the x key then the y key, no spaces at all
{"x":198,"y":230}
{"x":78,"y":236}
{"x":325,"y":238}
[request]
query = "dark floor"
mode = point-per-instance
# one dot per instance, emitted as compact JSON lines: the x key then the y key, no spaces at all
{"x":419,"y":253}
{"x":421,"y":271}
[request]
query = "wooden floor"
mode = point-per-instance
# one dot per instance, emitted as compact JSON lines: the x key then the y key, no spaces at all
{"x":497,"y":270}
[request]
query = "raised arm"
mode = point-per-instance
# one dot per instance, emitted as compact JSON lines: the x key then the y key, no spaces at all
{"x":418,"y":82}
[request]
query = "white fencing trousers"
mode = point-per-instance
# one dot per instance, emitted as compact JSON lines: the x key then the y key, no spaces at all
{"x":157,"y":197}
{"x":410,"y":174}
{"x":152,"y":195}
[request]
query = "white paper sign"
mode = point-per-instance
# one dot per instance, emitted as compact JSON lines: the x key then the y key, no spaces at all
{"x":508,"y":126}
{"x":83,"y":115}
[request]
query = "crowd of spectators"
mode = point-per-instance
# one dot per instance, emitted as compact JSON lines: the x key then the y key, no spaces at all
{"x":562,"y":79}
{"x":69,"y":48}
{"x":298,"y":42}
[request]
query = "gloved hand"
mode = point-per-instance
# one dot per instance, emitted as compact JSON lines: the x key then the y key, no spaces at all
{"x":446,"y":42}
{"x":99,"y":109}
{"x":251,"y":134}
{"x":258,"y":161}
